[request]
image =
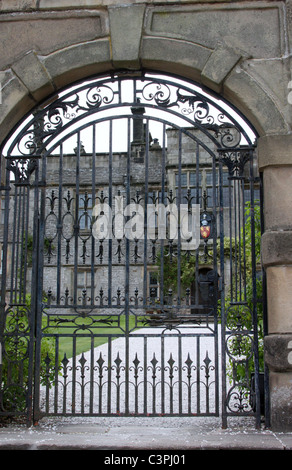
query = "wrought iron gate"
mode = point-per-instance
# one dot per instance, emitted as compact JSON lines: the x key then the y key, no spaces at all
{"x":130,"y":255}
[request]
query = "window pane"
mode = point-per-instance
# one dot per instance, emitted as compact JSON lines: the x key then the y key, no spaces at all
{"x":193,"y":179}
{"x":183,"y":179}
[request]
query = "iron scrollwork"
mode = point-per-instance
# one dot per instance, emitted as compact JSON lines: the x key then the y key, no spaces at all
{"x":199,"y":111}
{"x":196,"y":107}
{"x":235,"y":160}
{"x":61,"y":113}
{"x":22,"y":169}
{"x":240,"y":351}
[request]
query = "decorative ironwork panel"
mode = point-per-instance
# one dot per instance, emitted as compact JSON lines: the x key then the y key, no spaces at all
{"x":176,"y":379}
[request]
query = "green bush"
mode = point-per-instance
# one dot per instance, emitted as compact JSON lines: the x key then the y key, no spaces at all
{"x":239,"y":318}
{"x":15,"y":361}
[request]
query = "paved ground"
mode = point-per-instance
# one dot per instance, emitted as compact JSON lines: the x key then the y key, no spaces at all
{"x":121,"y":434}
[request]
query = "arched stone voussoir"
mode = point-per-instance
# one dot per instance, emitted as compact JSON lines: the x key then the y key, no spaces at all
{"x":174,"y":56}
{"x":247,"y":95}
{"x":16,"y":101}
{"x":78,"y":61}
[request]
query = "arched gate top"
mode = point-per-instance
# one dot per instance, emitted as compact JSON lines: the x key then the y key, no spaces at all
{"x":184,"y":103}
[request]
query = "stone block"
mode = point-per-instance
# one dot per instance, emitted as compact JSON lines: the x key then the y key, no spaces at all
{"x":33,"y":75}
{"x":126,"y":29}
{"x":174,"y":56}
{"x":274,"y":150}
{"x":18,"y":5}
{"x":15,"y":102}
{"x":80,"y":61}
{"x":46,"y":32}
{"x":208,"y":25}
{"x":274,"y":77}
{"x":279,"y":297}
{"x":276,"y":248}
{"x":281,"y":401}
{"x":250,"y":97}
{"x":218,"y":66}
{"x":278,"y":352}
{"x":278,"y":198}
{"x":62,"y":4}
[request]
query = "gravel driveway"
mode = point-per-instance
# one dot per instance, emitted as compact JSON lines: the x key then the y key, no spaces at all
{"x":175,"y":375}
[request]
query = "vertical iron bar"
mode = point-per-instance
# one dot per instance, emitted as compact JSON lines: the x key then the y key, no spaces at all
{"x":195,"y":300}
{"x":127,"y":275}
{"x":59,"y":228}
{"x":109,"y":376}
{"x":161,"y":287}
{"x":91,"y":393}
{"x":26,"y":241}
{"x":230,"y":230}
{"x":178,"y":223}
{"x":170,"y":384}
{"x":153,"y":387}
{"x":145,"y":215}
{"x":235,"y":242}
{"x":207,"y":389}
{"x":82,"y":394}
{"x":76,"y":224}
{"x":134,"y":90}
{"x":162,"y":376}
{"x":56,"y":397}
{"x":145,"y":375}
{"x":74,"y":375}
{"x":19,"y":217}
{"x":189,"y":383}
{"x":24,"y":215}
{"x":93,"y":198}
{"x":110,"y":196}
{"x":222,"y":297}
{"x":180,"y":398}
{"x":119,"y":91}
{"x":64,"y":388}
{"x":216,"y":288}
{"x":198,"y":377}
{"x":136,"y":384}
{"x":243,"y":241}
{"x":14,"y":242}
{"x":239,"y":240}
{"x":254,"y":296}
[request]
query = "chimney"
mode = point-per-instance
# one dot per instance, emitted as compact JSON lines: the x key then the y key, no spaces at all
{"x":138,"y":126}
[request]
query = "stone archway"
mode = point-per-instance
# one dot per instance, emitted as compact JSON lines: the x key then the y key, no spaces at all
{"x":254,"y":75}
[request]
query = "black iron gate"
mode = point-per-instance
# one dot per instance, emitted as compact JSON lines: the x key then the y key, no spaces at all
{"x":130,"y":255}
